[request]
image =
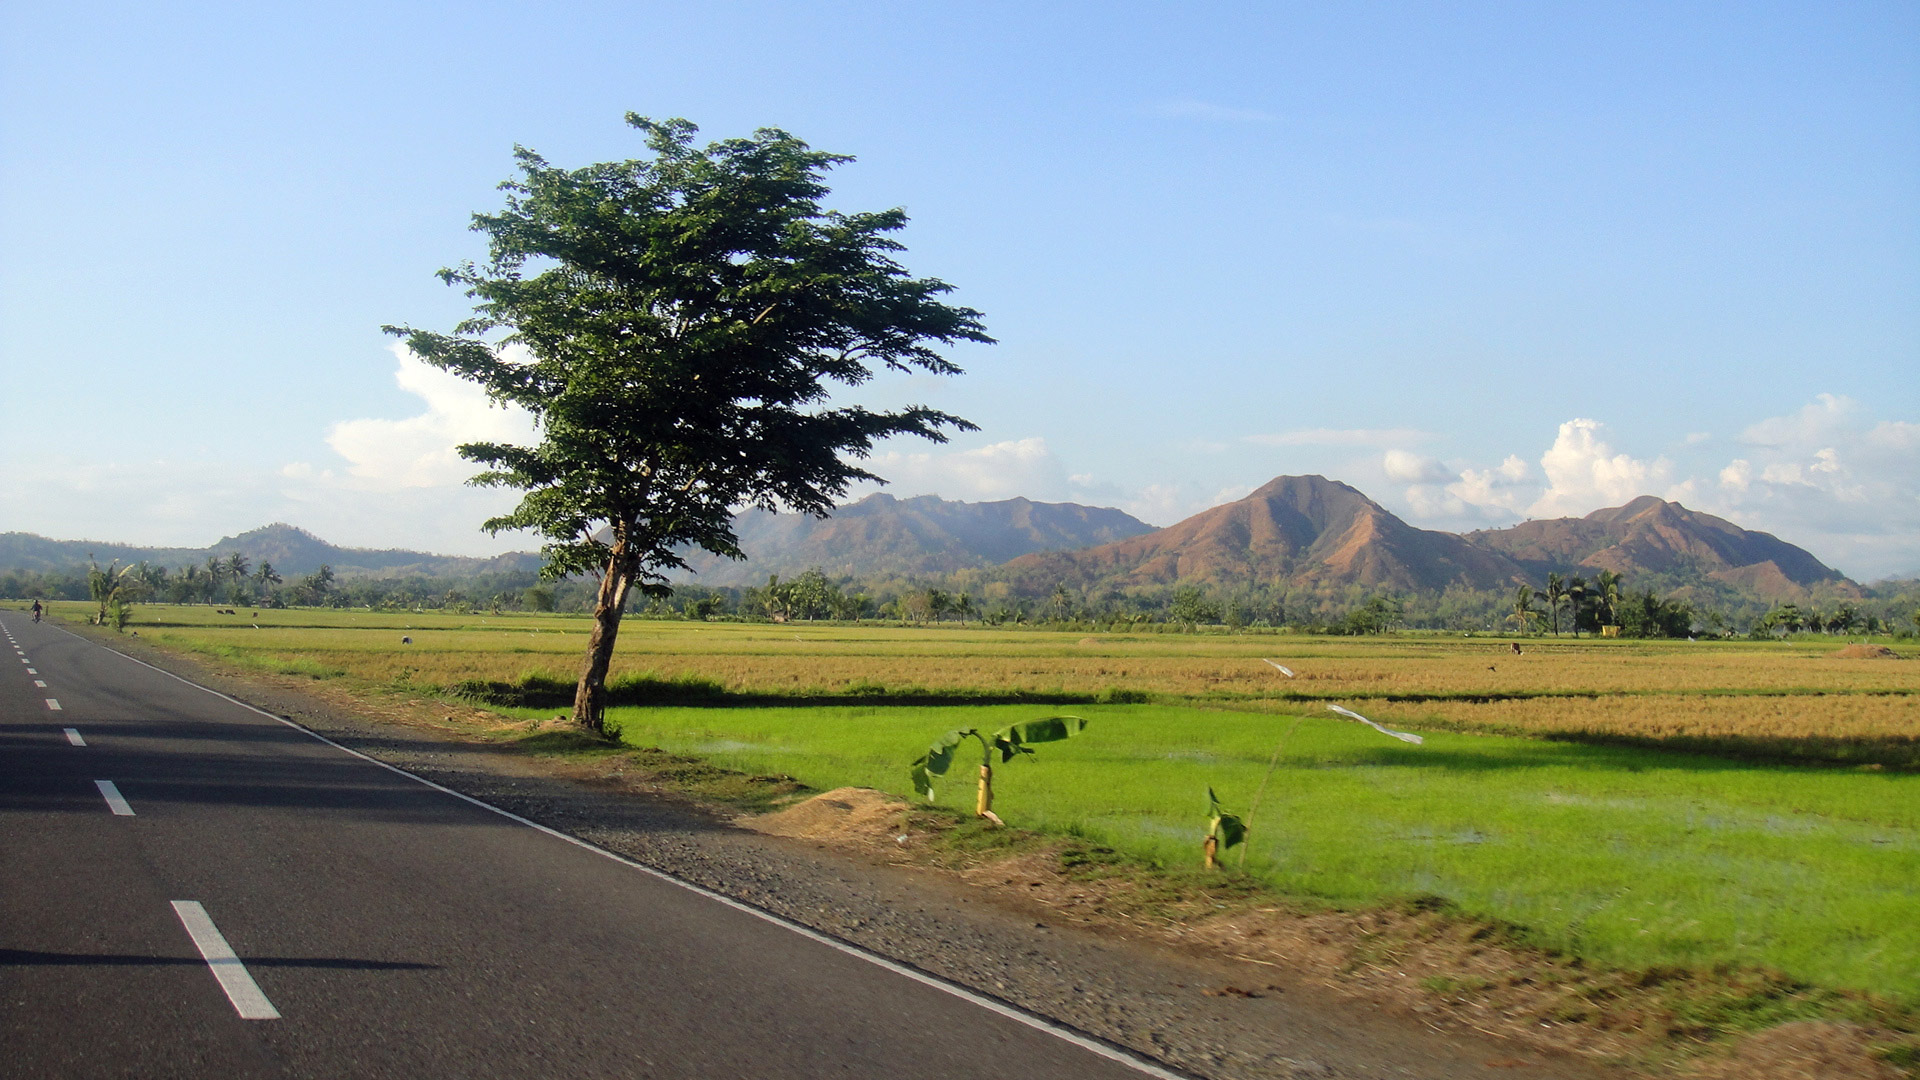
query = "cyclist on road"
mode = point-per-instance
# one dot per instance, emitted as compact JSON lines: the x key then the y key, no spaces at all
{"x":36,"y":611}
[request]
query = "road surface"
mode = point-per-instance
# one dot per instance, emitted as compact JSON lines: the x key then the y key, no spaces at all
{"x":190,"y":887}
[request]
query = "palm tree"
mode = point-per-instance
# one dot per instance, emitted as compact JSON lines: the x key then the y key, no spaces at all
{"x":1577,"y":591}
{"x":237,"y":567}
{"x":267,"y":576}
{"x":1523,"y":609}
{"x":1556,"y":595}
{"x":216,"y":569}
{"x":1607,"y":590}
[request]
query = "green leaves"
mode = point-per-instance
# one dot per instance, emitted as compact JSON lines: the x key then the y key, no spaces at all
{"x":684,"y":317}
{"x":936,"y":761}
{"x":1227,"y":828}
{"x":1009,"y":743}
{"x":1014,"y":740}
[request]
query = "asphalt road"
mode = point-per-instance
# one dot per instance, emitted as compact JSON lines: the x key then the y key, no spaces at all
{"x":381,"y":927}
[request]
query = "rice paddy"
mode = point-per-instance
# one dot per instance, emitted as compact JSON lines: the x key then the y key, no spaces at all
{"x":1636,"y":802}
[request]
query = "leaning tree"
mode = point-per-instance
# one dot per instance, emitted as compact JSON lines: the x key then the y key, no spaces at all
{"x":684,"y":319}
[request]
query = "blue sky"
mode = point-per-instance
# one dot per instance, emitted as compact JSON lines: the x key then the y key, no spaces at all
{"x":1483,"y":261}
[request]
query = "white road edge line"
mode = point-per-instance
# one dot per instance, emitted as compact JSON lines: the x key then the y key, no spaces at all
{"x":73,"y":736}
{"x":1060,"y":1031}
{"x":245,"y":994}
{"x":115,"y":801}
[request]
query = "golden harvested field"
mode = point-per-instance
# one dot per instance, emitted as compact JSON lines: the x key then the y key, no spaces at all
{"x":1657,"y":690}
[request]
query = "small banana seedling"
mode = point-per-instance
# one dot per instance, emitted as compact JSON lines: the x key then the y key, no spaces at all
{"x":1224,"y":830}
{"x":1009,"y":743}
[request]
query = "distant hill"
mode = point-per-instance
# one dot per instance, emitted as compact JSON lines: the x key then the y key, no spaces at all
{"x":1308,"y":531}
{"x":881,"y":536}
{"x":292,"y":552}
{"x":1300,"y":530}
{"x":1653,"y":536}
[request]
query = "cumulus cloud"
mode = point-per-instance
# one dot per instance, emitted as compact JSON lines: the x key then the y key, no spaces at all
{"x":1000,"y":470}
{"x":1029,"y":467}
{"x":1831,"y":479}
{"x":1826,"y":477}
{"x":419,"y":451}
{"x":1406,"y":467}
{"x":1583,"y":473}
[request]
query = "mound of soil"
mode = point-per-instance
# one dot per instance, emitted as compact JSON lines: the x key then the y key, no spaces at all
{"x":850,"y":816}
{"x":1804,"y":1050}
{"x":1866,"y":652}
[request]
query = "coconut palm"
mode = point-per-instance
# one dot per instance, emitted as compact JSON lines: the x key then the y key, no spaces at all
{"x":1523,"y":610}
{"x":1606,"y":586}
{"x":1577,"y":592}
{"x":216,"y":569}
{"x":1556,"y":595}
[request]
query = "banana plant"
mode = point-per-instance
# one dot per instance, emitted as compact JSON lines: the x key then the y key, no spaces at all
{"x":1224,"y":830}
{"x":1009,"y":743}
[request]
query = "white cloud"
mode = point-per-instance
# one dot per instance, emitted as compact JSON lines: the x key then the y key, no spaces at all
{"x":1406,"y":467}
{"x":1379,"y":437}
{"x":419,"y":451}
{"x":1833,"y":481}
{"x":1029,"y":467}
{"x":1583,"y":473}
{"x":1825,"y":477}
{"x":192,"y":503}
{"x":1193,"y":109}
{"x":995,"y":471}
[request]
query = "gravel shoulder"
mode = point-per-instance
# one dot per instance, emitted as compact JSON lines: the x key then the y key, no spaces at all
{"x":1209,"y":1016}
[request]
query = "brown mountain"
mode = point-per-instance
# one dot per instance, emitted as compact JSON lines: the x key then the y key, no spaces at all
{"x":290,"y":550}
{"x":1653,"y":536}
{"x":1299,"y":530}
{"x":881,"y":536}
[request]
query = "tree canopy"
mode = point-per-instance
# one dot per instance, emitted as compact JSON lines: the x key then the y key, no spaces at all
{"x":676,"y":326}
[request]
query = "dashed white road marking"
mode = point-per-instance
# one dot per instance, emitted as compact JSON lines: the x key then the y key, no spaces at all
{"x":53,"y":704}
{"x":73,"y":736}
{"x":1018,"y":1015}
{"x":115,"y":802}
{"x":33,"y":671}
{"x":245,"y":994}
{"x":41,"y":683}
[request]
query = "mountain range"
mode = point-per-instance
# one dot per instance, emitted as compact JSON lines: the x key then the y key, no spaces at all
{"x":1308,"y":531}
{"x":292,"y":551}
{"x":883,"y":537}
{"x":1296,"y":531}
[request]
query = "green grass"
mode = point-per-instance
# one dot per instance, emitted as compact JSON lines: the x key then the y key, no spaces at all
{"x":1632,"y":857}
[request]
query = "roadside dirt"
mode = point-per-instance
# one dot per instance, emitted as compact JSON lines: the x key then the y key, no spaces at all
{"x":1218,"y":988}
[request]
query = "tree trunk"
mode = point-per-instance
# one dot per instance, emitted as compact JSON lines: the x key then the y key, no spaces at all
{"x":1211,"y":848}
{"x":590,"y":697}
{"x":983,"y":806}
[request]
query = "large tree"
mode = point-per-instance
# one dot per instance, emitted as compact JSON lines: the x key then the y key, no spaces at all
{"x":685,"y":318}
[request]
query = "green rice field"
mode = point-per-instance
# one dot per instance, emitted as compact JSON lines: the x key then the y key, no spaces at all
{"x":1624,"y":850}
